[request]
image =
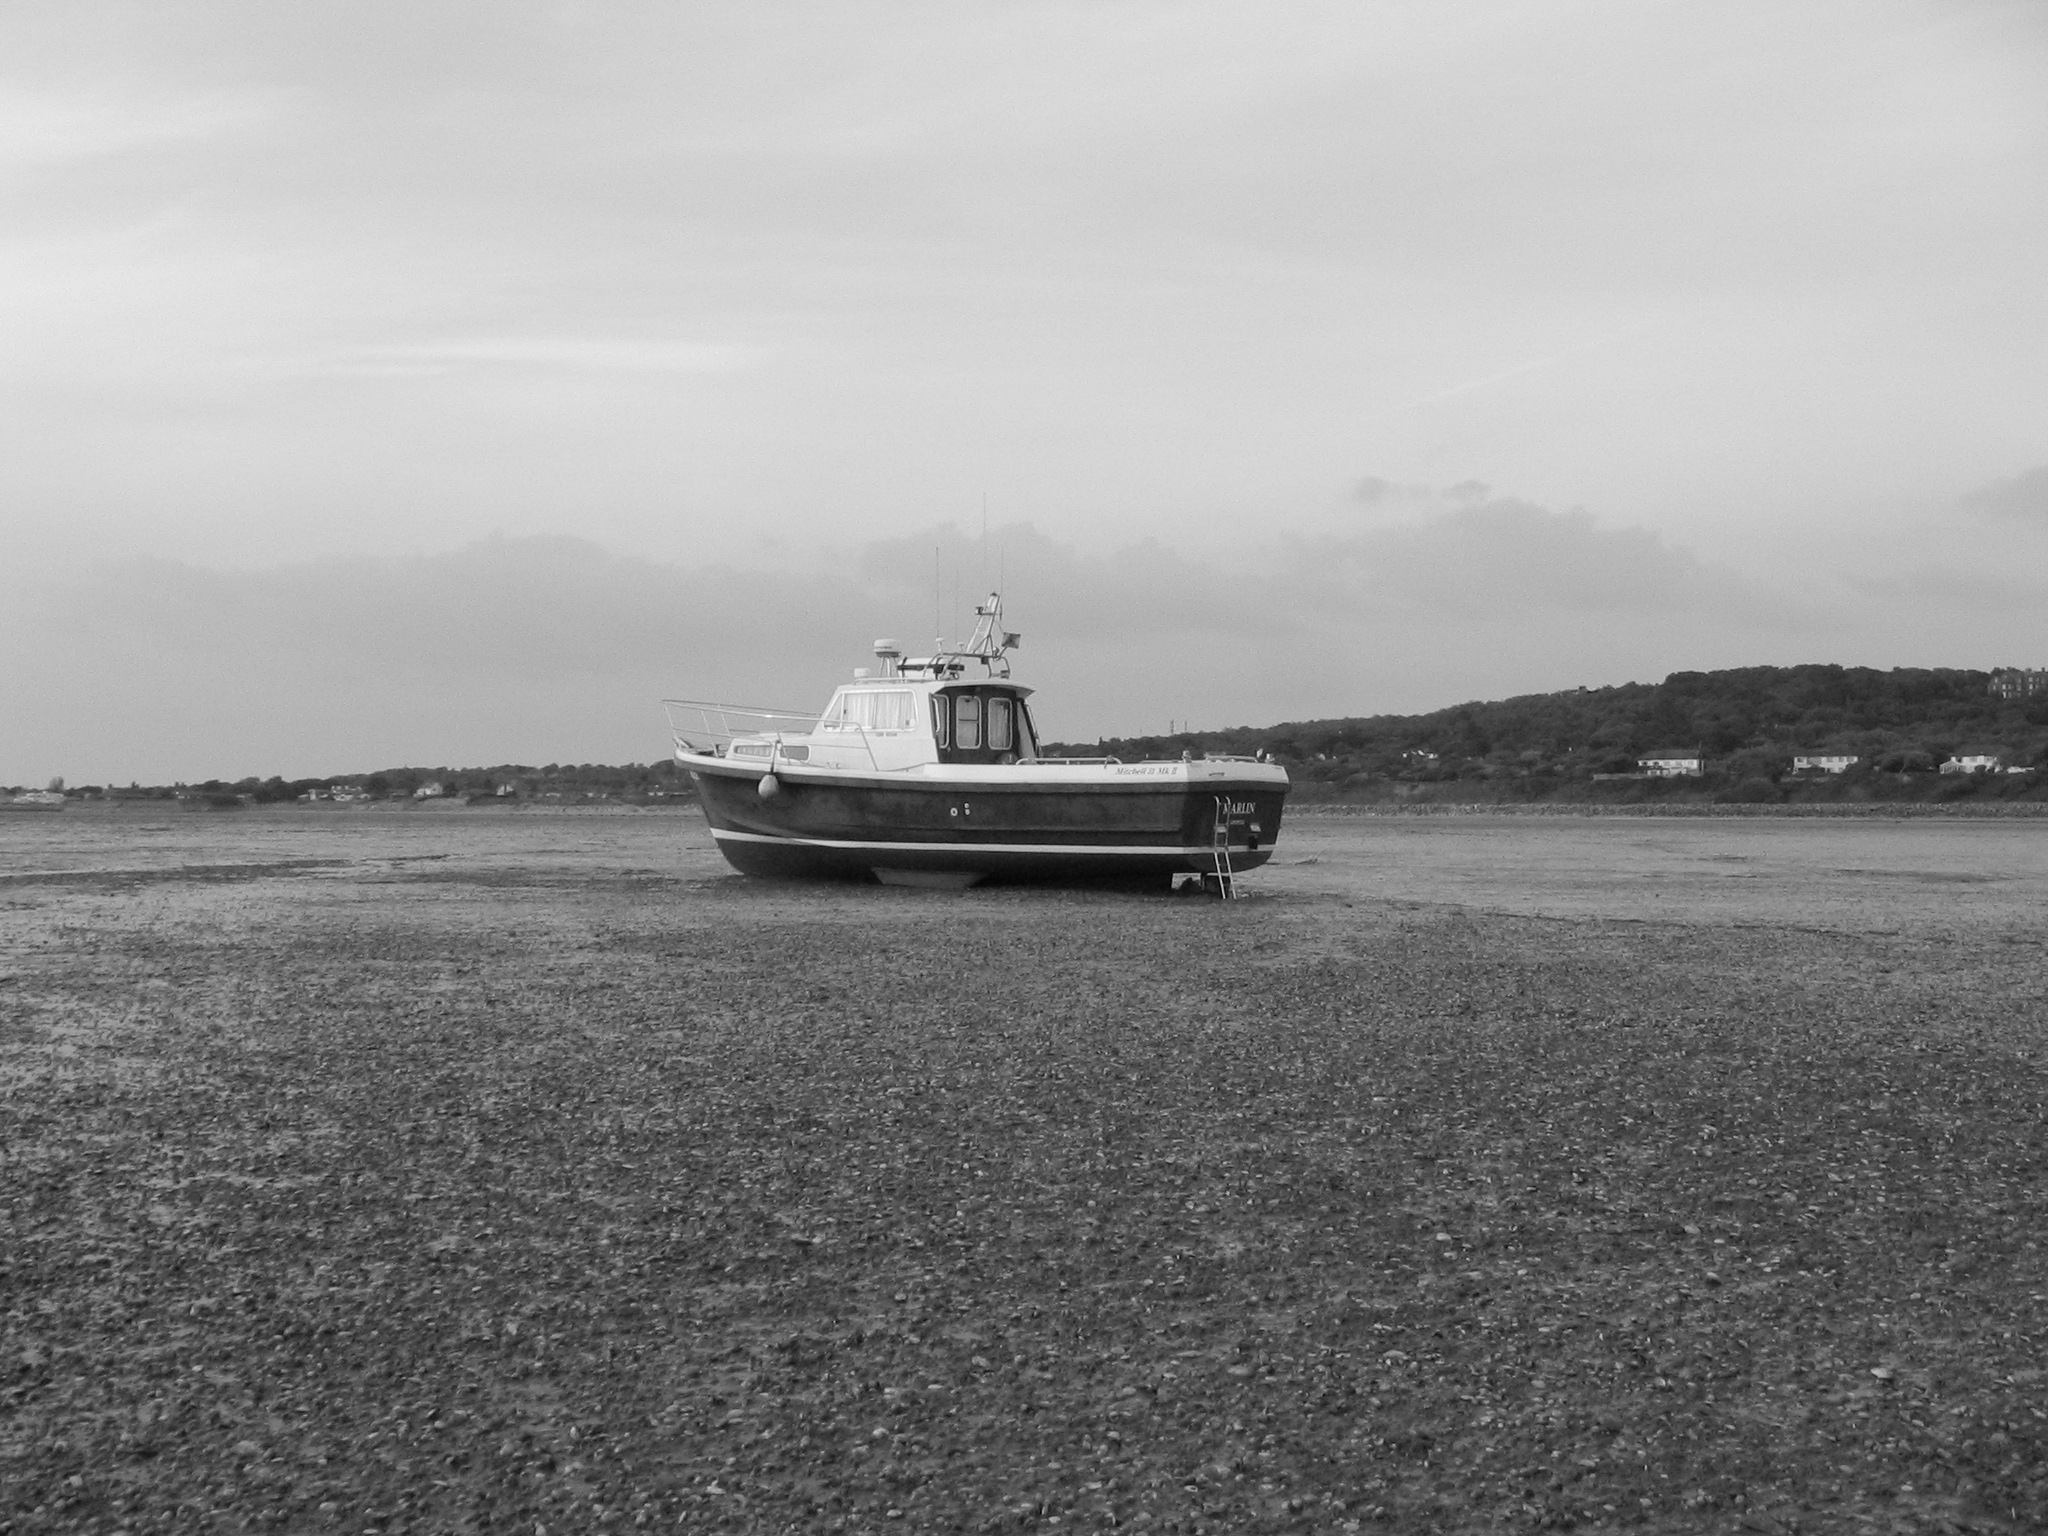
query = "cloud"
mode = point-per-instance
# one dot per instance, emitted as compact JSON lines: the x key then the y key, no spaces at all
{"x":46,"y":128}
{"x":1477,"y":557}
{"x":2024,"y":496}
{"x":971,"y":255}
{"x":1937,"y":586}
{"x":1373,"y":491}
{"x":582,"y":353}
{"x":555,"y":649}
{"x":543,"y":611}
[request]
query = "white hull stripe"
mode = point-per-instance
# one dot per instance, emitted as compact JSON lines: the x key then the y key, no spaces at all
{"x":1149,"y":850}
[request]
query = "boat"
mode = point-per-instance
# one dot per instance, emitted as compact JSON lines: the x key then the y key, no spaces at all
{"x":926,"y":771}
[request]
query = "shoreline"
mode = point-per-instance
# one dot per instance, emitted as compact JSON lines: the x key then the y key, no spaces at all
{"x":2021,"y":810}
{"x":2009,"y":810}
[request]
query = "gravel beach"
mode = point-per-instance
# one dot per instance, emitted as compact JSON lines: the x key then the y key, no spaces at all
{"x":409,"y":1171}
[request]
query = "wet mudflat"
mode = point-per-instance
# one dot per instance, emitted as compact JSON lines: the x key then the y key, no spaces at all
{"x":477,"y":1171}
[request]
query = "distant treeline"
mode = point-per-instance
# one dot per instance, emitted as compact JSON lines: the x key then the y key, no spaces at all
{"x":1747,"y":723}
{"x":506,"y":783}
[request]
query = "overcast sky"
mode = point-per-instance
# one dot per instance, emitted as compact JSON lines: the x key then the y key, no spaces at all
{"x":444,"y":384}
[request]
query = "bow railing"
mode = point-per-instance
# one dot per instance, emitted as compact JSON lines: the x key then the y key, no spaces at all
{"x":703,"y":727}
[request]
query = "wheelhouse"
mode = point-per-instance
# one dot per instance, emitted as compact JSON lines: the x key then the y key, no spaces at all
{"x":982,"y":723}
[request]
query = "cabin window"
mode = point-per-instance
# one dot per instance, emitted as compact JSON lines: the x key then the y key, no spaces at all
{"x":939,"y":720}
{"x":1027,"y":733}
{"x":874,"y":709}
{"x":967,"y":721}
{"x":998,"y":724}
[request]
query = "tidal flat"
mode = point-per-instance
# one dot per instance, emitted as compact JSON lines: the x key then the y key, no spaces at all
{"x":423,"y":1171}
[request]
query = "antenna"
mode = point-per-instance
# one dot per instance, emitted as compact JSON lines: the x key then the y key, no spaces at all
{"x":938,"y":600}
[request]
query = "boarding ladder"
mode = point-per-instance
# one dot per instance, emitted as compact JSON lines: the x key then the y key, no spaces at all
{"x":1225,"y":877}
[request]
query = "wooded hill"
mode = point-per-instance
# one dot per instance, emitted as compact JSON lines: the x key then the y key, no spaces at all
{"x":1582,"y":744}
{"x":1748,"y":722}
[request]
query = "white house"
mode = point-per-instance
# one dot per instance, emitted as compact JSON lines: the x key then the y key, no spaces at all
{"x":1676,"y":763}
{"x":1972,"y":762}
{"x":1826,"y":763}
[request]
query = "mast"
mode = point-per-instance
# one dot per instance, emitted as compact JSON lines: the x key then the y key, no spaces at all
{"x":990,"y":645}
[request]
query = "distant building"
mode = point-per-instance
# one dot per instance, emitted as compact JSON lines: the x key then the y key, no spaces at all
{"x":1674,"y":763}
{"x":2019,"y":682}
{"x":433,"y":789}
{"x":1972,"y":762}
{"x":1826,"y":763}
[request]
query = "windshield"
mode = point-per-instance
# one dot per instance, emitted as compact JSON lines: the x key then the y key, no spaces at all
{"x":873,"y":709}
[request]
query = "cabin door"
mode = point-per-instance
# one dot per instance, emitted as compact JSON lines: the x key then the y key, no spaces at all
{"x":981,"y":725}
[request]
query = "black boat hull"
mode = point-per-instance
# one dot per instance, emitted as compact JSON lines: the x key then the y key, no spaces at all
{"x":1144,"y":830}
